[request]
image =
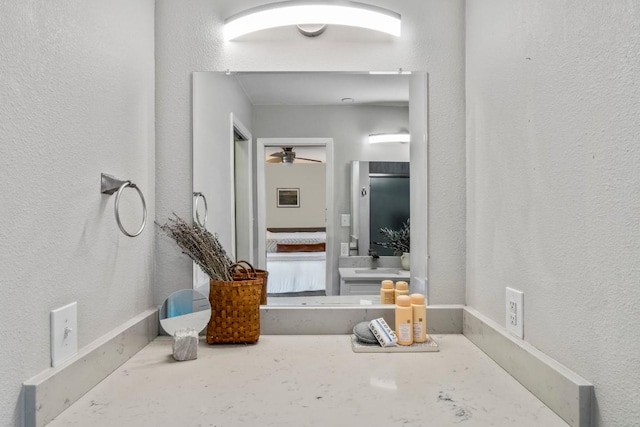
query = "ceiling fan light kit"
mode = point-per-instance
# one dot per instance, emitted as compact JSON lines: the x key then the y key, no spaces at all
{"x":302,"y":12}
{"x":288,"y":156}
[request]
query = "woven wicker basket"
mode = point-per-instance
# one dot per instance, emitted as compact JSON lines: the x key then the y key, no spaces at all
{"x":235,"y":311}
{"x":240,"y":272}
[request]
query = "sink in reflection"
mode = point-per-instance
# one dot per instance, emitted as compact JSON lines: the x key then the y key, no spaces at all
{"x":370,"y":271}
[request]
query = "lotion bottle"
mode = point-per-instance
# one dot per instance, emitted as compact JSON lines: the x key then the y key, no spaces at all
{"x":419,"y":318}
{"x":404,"y":320}
{"x":402,"y":288}
{"x":387,"y":294}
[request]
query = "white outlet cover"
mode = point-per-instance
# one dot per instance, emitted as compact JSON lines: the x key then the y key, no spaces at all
{"x":345,"y":220}
{"x":64,"y":333}
{"x":514,"y":297}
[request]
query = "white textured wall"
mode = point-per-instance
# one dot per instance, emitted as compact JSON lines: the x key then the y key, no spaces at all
{"x":77,"y":99}
{"x":310,"y":180}
{"x":553,"y":179}
{"x":216,"y":97}
{"x":190,"y":39}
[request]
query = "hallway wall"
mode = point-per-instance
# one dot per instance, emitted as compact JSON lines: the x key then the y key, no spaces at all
{"x":553,"y":182}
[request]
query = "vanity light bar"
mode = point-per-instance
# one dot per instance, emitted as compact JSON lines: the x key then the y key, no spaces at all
{"x":401,"y":71}
{"x":301,"y":12}
{"x":389,"y":137}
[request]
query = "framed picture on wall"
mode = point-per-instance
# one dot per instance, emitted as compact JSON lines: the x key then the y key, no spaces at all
{"x":288,"y":197}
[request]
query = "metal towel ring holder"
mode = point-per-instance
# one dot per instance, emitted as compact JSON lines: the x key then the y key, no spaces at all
{"x":111,"y":185}
{"x":199,"y":195}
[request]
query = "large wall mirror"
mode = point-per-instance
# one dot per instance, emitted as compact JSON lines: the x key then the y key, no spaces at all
{"x":273,"y":155}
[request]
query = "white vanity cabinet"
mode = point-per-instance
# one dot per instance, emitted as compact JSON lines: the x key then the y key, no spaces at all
{"x":359,"y":287}
{"x":366,"y":281}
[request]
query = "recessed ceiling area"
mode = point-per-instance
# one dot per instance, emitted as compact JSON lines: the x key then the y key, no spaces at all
{"x":324,"y":88}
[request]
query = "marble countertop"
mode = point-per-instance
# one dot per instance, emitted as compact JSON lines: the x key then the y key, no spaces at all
{"x":309,"y":380}
{"x":380,"y":274}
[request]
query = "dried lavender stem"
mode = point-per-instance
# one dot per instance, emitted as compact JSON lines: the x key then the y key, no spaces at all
{"x":201,"y":246}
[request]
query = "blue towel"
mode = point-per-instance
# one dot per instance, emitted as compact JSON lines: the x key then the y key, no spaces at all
{"x":179,"y":304}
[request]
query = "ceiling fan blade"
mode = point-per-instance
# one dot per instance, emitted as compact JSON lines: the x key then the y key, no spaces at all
{"x":274,"y":160}
{"x":277,"y":155}
{"x":309,"y":160}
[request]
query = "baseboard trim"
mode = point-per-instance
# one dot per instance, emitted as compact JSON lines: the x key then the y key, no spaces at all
{"x":288,"y":320}
{"x":52,"y":391}
{"x":570,"y":396}
{"x":562,"y":390}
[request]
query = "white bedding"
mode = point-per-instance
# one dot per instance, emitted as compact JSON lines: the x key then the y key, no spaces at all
{"x":296,"y":271}
{"x":297,"y":238}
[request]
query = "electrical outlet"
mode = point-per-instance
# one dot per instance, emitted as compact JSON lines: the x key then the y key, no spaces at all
{"x":515,"y":312}
{"x":64,"y":333}
{"x":345,"y":220}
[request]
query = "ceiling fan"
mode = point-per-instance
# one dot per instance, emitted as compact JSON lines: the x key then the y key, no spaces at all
{"x":287,"y":156}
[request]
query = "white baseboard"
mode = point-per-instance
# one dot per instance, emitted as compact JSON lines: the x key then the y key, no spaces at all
{"x":566,"y":393}
{"x":52,"y":391}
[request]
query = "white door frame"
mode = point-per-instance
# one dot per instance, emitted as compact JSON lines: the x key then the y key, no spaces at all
{"x":235,"y":122}
{"x":262,"y":206}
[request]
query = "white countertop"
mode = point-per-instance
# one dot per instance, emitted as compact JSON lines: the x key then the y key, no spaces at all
{"x":309,"y":380}
{"x":380,"y":274}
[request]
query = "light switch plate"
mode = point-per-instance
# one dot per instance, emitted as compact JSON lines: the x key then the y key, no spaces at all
{"x":64,"y":333}
{"x":345,"y":220}
{"x":344,"y":249}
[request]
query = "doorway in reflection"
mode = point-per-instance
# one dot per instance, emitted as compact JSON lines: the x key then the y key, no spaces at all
{"x":380,"y":193}
{"x":295,"y":190}
{"x":389,"y":206}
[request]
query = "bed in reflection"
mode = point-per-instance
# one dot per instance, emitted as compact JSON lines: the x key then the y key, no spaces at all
{"x":296,"y":261}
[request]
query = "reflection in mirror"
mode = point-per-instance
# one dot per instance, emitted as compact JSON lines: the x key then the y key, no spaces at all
{"x":379,"y":198}
{"x":343,"y":107}
{"x":292,"y":212}
{"x":185,"y":309}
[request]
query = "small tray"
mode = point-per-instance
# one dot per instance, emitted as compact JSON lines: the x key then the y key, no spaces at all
{"x":359,"y":347}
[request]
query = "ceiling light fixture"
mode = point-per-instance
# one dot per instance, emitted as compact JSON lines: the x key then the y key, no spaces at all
{"x":311,"y":30}
{"x":302,"y":12}
{"x":400,"y":71}
{"x":389,"y":137}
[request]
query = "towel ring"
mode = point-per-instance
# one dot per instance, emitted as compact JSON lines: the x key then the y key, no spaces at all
{"x":111,"y":185}
{"x":198,"y":195}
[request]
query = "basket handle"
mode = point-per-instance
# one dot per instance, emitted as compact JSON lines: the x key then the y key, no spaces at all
{"x":247,"y":273}
{"x":248,"y":264}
